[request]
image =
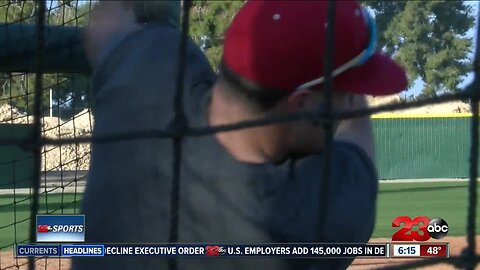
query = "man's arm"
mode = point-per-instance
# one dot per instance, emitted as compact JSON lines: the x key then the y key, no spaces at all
{"x":109,"y":19}
{"x":358,"y":130}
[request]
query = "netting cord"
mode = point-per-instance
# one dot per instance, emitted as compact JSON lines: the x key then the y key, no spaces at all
{"x":37,"y":125}
{"x":327,"y":125}
{"x":179,"y":127}
{"x":472,"y":188}
{"x":209,"y":130}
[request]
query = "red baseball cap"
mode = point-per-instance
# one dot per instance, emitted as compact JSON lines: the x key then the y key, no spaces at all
{"x":280,"y":44}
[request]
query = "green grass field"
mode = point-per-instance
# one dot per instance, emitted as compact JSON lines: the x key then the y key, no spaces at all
{"x":448,"y":200}
{"x":444,"y":200}
{"x":19,"y":214}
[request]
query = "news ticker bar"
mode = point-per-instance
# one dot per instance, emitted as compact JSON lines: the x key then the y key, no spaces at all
{"x":204,"y":250}
{"x":378,"y":250}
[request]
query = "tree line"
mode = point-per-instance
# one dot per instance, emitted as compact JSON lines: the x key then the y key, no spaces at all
{"x":69,"y":90}
{"x":427,"y":37}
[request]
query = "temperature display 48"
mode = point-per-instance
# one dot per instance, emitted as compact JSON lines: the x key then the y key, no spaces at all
{"x":433,"y":250}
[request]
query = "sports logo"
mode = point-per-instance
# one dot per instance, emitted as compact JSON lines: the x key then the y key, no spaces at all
{"x":60,"y":228}
{"x":44,"y":228}
{"x":214,"y":250}
{"x":436,"y":228}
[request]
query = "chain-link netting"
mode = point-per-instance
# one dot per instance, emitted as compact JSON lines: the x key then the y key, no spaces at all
{"x":56,"y":124}
{"x":35,"y":104}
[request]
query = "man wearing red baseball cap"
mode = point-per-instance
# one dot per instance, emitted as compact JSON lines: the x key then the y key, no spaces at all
{"x":254,"y":185}
{"x":273,"y":63}
{"x":274,"y":56}
{"x":281,"y":45}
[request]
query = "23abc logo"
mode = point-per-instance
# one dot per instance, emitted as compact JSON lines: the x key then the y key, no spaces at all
{"x":435,"y":228}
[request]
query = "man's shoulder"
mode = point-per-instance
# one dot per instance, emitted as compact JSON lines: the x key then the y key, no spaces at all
{"x":148,"y":61}
{"x":118,"y":43}
{"x":152,"y":49}
{"x":345,"y":157}
{"x":350,"y":167}
{"x":352,"y":191}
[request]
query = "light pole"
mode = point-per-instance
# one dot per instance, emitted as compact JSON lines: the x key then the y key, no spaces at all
{"x":51,"y":102}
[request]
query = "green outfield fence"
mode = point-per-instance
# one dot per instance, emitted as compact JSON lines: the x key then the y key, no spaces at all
{"x":41,"y":59}
{"x":413,"y":146}
{"x":16,"y":164}
{"x":422,"y":145}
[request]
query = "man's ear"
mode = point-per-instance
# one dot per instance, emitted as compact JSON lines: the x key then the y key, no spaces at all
{"x":296,"y":100}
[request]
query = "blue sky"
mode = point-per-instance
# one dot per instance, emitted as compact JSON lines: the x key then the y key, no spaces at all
{"x":417,"y":88}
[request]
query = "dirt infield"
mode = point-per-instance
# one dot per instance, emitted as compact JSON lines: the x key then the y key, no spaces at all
{"x":457,"y":244}
{"x":7,"y":261}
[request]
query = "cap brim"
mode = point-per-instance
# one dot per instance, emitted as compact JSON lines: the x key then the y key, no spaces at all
{"x":380,"y":75}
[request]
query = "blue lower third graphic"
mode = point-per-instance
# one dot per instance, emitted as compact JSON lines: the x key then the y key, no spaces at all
{"x":60,"y":228}
{"x":83,"y":250}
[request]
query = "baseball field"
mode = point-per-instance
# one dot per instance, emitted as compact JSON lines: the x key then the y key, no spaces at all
{"x":447,"y":200}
